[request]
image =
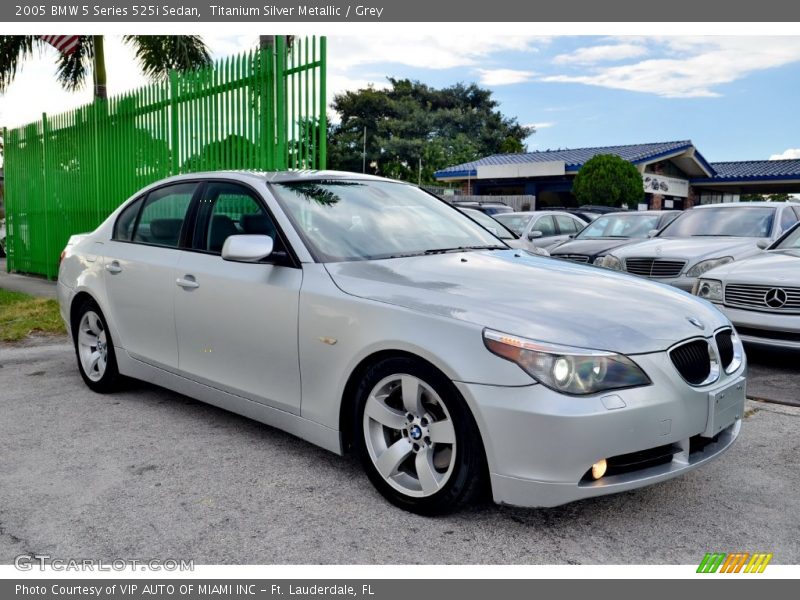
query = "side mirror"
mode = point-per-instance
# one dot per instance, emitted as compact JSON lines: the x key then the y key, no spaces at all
{"x":652,"y":233}
{"x":763,"y":244}
{"x":247,"y":248}
{"x":535,"y":235}
{"x":572,"y":235}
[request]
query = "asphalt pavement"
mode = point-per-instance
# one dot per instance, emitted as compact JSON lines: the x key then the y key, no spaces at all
{"x":146,"y":473}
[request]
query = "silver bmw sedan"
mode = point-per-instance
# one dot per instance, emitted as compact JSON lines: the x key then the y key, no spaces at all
{"x":364,"y":314}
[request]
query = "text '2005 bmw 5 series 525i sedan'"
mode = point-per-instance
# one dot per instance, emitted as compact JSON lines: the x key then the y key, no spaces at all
{"x":360,"y":313}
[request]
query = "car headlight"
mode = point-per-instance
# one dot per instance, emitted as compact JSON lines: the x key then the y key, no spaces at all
{"x":609,"y":261}
{"x":707,"y":265}
{"x":708,"y":289}
{"x":565,"y":369}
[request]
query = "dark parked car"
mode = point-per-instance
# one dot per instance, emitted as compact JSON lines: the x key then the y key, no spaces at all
{"x":587,"y":212}
{"x":489,"y":208}
{"x":611,"y":231}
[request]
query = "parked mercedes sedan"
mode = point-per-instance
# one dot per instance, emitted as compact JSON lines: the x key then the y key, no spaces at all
{"x":611,"y":231}
{"x":761,"y":295}
{"x":542,"y":229}
{"x":360,"y":313}
{"x":499,"y":230}
{"x":705,"y":237}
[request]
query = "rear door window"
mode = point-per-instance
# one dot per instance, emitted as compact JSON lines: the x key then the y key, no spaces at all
{"x":163,"y":215}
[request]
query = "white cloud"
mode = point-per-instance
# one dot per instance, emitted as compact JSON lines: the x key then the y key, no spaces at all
{"x":595,"y":54}
{"x":538,"y":126}
{"x":693,"y":67}
{"x":445,"y":51}
{"x":504,"y":76}
{"x":786,"y":154}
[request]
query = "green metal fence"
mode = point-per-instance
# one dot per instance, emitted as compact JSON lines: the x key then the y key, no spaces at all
{"x":65,"y":173}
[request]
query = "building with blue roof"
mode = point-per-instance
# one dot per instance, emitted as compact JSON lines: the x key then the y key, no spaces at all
{"x":674,"y":175}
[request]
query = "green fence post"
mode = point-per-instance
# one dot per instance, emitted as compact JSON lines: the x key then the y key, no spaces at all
{"x":7,"y":204}
{"x":280,"y":102}
{"x":174,"y":135}
{"x":45,"y":199}
{"x":323,"y":115}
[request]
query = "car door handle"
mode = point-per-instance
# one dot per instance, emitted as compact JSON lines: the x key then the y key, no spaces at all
{"x":113,"y":267}
{"x":187,"y":282}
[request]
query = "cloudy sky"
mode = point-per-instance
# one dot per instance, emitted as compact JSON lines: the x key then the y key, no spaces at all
{"x":736,"y":97}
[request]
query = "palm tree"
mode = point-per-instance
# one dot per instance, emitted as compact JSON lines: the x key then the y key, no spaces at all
{"x":157,"y":55}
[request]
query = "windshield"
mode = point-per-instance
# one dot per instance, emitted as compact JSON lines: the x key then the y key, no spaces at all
{"x":516,"y":223}
{"x":363,"y":220}
{"x":489,"y":223}
{"x":620,"y":226}
{"x":791,"y":241}
{"x":734,"y":221}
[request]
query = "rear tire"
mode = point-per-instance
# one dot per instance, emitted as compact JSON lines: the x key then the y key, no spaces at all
{"x":416,"y":437}
{"x":94,"y":349}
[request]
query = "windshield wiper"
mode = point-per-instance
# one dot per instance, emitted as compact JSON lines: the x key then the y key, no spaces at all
{"x":463,"y":249}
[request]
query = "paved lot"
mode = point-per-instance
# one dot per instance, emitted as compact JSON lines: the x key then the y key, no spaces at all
{"x":147,"y":473}
{"x":36,"y":286}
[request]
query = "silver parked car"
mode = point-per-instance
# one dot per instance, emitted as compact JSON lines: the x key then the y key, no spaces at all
{"x":705,"y":237}
{"x":542,"y":228}
{"x":499,"y":230}
{"x":360,"y":313}
{"x":761,"y":295}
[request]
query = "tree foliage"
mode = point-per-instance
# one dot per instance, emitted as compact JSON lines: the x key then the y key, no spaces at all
{"x":157,"y":54}
{"x":411,"y":124}
{"x":609,"y":180}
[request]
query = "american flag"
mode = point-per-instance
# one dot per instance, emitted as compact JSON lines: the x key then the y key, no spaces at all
{"x":66,"y":44}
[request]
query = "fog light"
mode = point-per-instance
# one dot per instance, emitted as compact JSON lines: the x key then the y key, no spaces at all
{"x":599,"y":468}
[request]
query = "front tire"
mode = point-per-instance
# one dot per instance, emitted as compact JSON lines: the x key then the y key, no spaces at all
{"x":94,"y":349}
{"x":416,"y":437}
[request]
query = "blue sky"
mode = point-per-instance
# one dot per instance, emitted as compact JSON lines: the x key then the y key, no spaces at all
{"x":737,"y":98}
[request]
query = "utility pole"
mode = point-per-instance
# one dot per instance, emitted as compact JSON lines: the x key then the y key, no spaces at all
{"x":364,"y":152}
{"x":419,"y":172}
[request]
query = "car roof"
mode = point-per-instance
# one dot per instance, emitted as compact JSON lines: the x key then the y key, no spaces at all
{"x":746,"y":204}
{"x":278,"y":176}
{"x":532,"y":213}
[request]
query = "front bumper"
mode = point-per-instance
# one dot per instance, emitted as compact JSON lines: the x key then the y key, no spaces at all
{"x":764,"y":328}
{"x":540,"y":444}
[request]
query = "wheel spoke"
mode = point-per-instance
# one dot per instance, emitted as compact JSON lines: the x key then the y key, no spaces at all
{"x":94,"y":323}
{"x":412,"y":393}
{"x":386,"y":416}
{"x":94,"y":359}
{"x":87,"y":338}
{"x":388,"y":462}
{"x":427,"y":475}
{"x":442,"y":432}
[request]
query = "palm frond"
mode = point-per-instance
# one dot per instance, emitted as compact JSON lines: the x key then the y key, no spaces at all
{"x":13,"y":50}
{"x":72,"y":69}
{"x":159,"y":54}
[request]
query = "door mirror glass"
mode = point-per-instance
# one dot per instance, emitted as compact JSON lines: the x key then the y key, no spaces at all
{"x":247,"y":248}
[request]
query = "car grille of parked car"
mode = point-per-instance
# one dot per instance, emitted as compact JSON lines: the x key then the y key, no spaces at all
{"x":654,"y":267}
{"x":725,"y":347}
{"x":693,"y":361}
{"x":769,"y":334}
{"x":763,"y":297}
{"x":581,"y":258}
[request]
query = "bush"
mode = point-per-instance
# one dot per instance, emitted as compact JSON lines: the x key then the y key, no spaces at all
{"x":609,"y":180}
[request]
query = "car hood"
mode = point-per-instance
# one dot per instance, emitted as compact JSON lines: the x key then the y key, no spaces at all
{"x":776,"y":267}
{"x":693,"y":249}
{"x":534,"y":297}
{"x":591,"y":247}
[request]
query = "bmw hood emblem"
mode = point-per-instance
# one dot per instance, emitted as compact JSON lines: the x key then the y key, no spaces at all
{"x":696,"y":322}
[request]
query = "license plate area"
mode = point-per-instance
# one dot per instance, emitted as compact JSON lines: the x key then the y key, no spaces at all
{"x":725,"y":406}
